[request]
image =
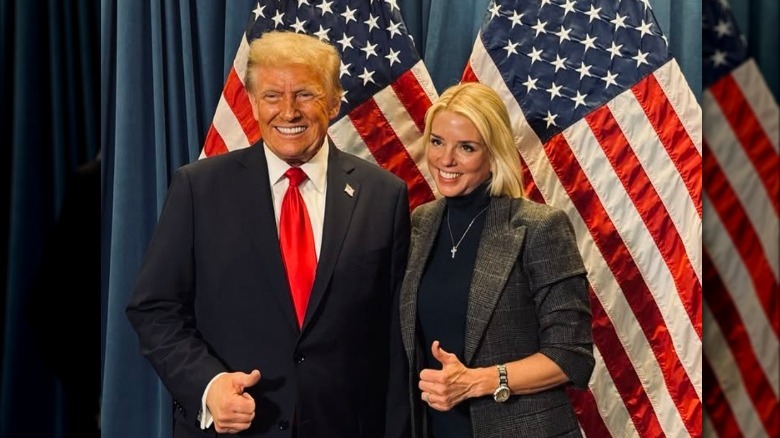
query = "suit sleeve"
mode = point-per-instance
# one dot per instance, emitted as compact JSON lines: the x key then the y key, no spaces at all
{"x":560,"y":289}
{"x":398,"y":420}
{"x":161,"y":307}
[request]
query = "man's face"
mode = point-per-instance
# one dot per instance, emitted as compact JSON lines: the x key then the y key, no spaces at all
{"x":293,"y":109}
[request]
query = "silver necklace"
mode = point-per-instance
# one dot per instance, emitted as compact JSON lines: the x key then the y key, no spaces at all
{"x":452,"y":239}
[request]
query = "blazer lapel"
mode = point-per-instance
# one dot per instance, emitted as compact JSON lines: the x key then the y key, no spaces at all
{"x":338,"y":213}
{"x":497,"y":254}
{"x":424,"y":230}
{"x":261,"y":226}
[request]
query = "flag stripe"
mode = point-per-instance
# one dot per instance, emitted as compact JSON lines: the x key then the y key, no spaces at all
{"x":647,"y":201}
{"x":389,"y":152}
{"x":760,"y":98}
{"x":588,"y":413}
{"x":676,"y":140}
{"x":613,"y":410}
{"x":721,"y":415}
{"x":627,"y":274}
{"x":756,"y":382}
{"x":750,"y":133}
{"x":682,"y":99}
{"x":413,"y":97}
{"x":730,"y":210}
{"x":238,"y":100}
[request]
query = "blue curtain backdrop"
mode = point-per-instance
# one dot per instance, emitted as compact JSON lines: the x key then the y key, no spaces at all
{"x":163,"y":65}
{"x":48,"y":94}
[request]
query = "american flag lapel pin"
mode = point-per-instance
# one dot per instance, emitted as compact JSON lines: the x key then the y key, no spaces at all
{"x":349,"y":190}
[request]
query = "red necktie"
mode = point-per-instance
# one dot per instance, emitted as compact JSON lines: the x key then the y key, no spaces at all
{"x":297,"y":243}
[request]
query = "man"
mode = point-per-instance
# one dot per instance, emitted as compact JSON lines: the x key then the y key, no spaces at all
{"x":269,"y":309}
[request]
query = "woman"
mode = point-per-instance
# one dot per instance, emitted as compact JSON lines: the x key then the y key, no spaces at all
{"x":494,"y":307}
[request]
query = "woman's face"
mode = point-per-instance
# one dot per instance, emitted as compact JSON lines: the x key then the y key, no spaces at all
{"x":458,"y":158}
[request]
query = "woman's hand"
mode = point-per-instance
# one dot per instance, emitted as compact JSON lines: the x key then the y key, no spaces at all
{"x":444,"y":389}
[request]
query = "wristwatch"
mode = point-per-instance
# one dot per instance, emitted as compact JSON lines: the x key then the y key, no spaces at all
{"x":501,"y":394}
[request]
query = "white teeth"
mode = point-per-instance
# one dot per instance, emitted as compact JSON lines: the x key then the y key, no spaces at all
{"x":291,"y":131}
{"x":449,"y":175}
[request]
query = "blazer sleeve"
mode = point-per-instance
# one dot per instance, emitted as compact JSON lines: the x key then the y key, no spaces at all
{"x":560,"y":290}
{"x":161,"y":307}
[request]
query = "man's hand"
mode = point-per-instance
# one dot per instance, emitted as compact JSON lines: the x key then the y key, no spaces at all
{"x":232,"y":408}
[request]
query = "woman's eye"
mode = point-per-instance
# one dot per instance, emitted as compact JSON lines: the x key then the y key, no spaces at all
{"x":467,"y":148}
{"x":435,"y":141}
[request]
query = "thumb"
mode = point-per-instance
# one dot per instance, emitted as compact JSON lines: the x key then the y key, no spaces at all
{"x":443,"y":356}
{"x":244,"y":380}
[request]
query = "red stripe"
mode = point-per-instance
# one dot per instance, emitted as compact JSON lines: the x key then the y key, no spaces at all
{"x":756,"y":383}
{"x":718,"y":409}
{"x":626,"y":380}
{"x":531,"y":190}
{"x":588,"y":413}
{"x":413,"y":97}
{"x":672,"y":134}
{"x":238,"y":101}
{"x":389,"y":152}
{"x":629,"y":278}
{"x":214,"y":145}
{"x":751,"y":135}
{"x":468,"y":74}
{"x":742,"y":234}
{"x":651,"y":209}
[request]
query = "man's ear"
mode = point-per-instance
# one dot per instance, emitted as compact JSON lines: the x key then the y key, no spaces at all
{"x":253,"y":104}
{"x":336,"y":106}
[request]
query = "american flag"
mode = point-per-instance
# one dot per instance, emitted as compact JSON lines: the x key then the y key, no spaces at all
{"x":387,"y":87}
{"x":741,"y":235}
{"x":611,"y":133}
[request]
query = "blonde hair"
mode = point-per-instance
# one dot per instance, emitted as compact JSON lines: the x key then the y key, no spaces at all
{"x":484,"y":108}
{"x":280,"y":48}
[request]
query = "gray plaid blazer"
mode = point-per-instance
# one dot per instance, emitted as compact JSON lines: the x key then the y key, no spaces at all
{"x":528,"y":294}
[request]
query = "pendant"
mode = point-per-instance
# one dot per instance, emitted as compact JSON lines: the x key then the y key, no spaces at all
{"x":453,"y":251}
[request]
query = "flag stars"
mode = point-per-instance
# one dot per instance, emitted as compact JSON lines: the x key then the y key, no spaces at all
{"x":515,"y":19}
{"x":393,"y":57}
{"x":298,"y":25}
{"x":371,"y":22}
{"x":554,"y":90}
{"x":539,"y":26}
{"x":640,"y":58}
{"x":325,"y":7}
{"x":723,"y":28}
{"x":619,"y":21}
{"x":584,"y":70}
{"x":646,"y":3}
{"x":369,"y":50}
{"x":344,"y":69}
{"x":718,"y":58}
{"x":559,"y":63}
{"x":579,"y":99}
{"x":367,"y":76}
{"x":344,"y":96}
{"x":495,"y":10}
{"x":510,"y":48}
{"x":535,"y":55}
{"x":544,"y":3}
{"x":258,"y":11}
{"x":550,"y":119}
{"x":393,"y":29}
{"x":609,"y":79}
{"x":349,"y":14}
{"x":568,"y":7}
{"x":278,"y":19}
{"x":345,"y":41}
{"x":563,"y":34}
{"x":530,"y":84}
{"x":322,"y":34}
{"x":589,"y":42}
{"x":593,"y":13}
{"x":393,"y":5}
{"x":644,"y":29}
{"x":614,"y":50}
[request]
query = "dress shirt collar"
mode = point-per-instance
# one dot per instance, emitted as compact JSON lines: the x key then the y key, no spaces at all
{"x":316,"y":168}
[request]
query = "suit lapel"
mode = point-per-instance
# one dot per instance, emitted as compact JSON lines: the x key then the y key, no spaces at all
{"x":261,"y":226}
{"x":498,"y":251}
{"x":424,"y":231}
{"x":338,"y":214}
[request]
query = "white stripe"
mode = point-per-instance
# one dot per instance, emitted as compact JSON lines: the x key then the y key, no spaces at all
{"x":736,"y":279}
{"x":670,"y":79}
{"x":608,"y":401}
{"x":346,"y":138}
{"x":600,"y":276}
{"x":661,"y":172}
{"x":756,"y":92}
{"x":743,"y":178}
{"x":242,"y":54}
{"x":424,"y":79}
{"x":228,"y":127}
{"x":639,"y":242}
{"x":727,"y":374}
{"x":405,"y":129}
{"x":707,"y":428}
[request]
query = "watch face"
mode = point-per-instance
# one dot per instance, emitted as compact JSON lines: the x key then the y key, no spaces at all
{"x":502,"y":394}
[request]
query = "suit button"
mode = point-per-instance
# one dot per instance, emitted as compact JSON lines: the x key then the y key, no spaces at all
{"x":284,"y":425}
{"x":299,"y":358}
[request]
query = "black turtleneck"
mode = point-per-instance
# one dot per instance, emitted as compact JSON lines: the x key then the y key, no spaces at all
{"x":443,"y":296}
